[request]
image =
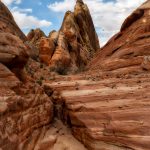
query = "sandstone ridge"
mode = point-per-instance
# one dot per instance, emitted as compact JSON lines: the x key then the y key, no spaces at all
{"x":127,"y":51}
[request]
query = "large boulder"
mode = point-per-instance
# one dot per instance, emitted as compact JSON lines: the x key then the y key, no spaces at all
{"x":13,"y":53}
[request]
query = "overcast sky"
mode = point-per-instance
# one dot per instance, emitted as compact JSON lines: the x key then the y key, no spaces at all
{"x":107,"y":15}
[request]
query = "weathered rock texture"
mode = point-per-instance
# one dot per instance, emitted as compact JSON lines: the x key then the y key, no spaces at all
{"x":22,"y":110}
{"x":105,"y":114}
{"x":26,"y":112}
{"x":71,"y":48}
{"x":108,"y":106}
{"x":24,"y":106}
{"x":34,"y":36}
{"x":7,"y":23}
{"x":127,"y":51}
{"x":33,"y":41}
{"x":13,"y":53}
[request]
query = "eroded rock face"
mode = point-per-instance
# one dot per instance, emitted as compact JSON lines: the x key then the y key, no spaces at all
{"x":87,"y":29}
{"x":24,"y":106}
{"x":13,"y":53}
{"x":7,"y":23}
{"x":128,"y":48}
{"x":47,"y":48}
{"x":33,"y":42}
{"x":22,"y":111}
{"x":107,"y":107}
{"x":102,"y":109}
{"x":34,"y":36}
{"x":72,"y":47}
{"x":108,"y":114}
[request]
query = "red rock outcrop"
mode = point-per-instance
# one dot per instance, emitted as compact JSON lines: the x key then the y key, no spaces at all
{"x":73,"y":46}
{"x":47,"y":48}
{"x":13,"y":53}
{"x":24,"y":106}
{"x":34,"y":36}
{"x":129,"y":48}
{"x":105,"y":114}
{"x":7,"y":23}
{"x":107,"y":107}
{"x":26,"y":112}
{"x":33,"y":41}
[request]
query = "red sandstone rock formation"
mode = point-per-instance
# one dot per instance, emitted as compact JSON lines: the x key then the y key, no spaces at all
{"x":129,"y":48}
{"x":108,"y":106}
{"x":7,"y":23}
{"x":108,"y":114}
{"x":24,"y":106}
{"x":47,"y":49}
{"x":34,"y":36}
{"x":33,"y":41}
{"x":103,"y":110}
{"x":25,"y":110}
{"x":72,"y":48}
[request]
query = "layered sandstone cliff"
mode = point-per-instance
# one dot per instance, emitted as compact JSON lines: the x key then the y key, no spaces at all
{"x":128,"y":51}
{"x":26,"y":111}
{"x":107,"y":107}
{"x":24,"y":106}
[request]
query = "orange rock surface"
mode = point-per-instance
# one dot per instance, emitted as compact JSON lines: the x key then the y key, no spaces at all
{"x":24,"y":106}
{"x":70,"y":49}
{"x":128,"y":50}
{"x":7,"y":23}
{"x":105,"y":108}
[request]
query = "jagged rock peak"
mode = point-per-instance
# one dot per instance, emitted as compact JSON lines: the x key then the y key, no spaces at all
{"x":35,"y":34}
{"x":34,"y":37}
{"x":75,"y":43}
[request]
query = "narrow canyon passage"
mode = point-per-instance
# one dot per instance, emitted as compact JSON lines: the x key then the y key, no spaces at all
{"x":64,"y":92}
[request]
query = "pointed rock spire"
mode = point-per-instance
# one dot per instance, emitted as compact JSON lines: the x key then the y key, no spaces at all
{"x":77,"y":41}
